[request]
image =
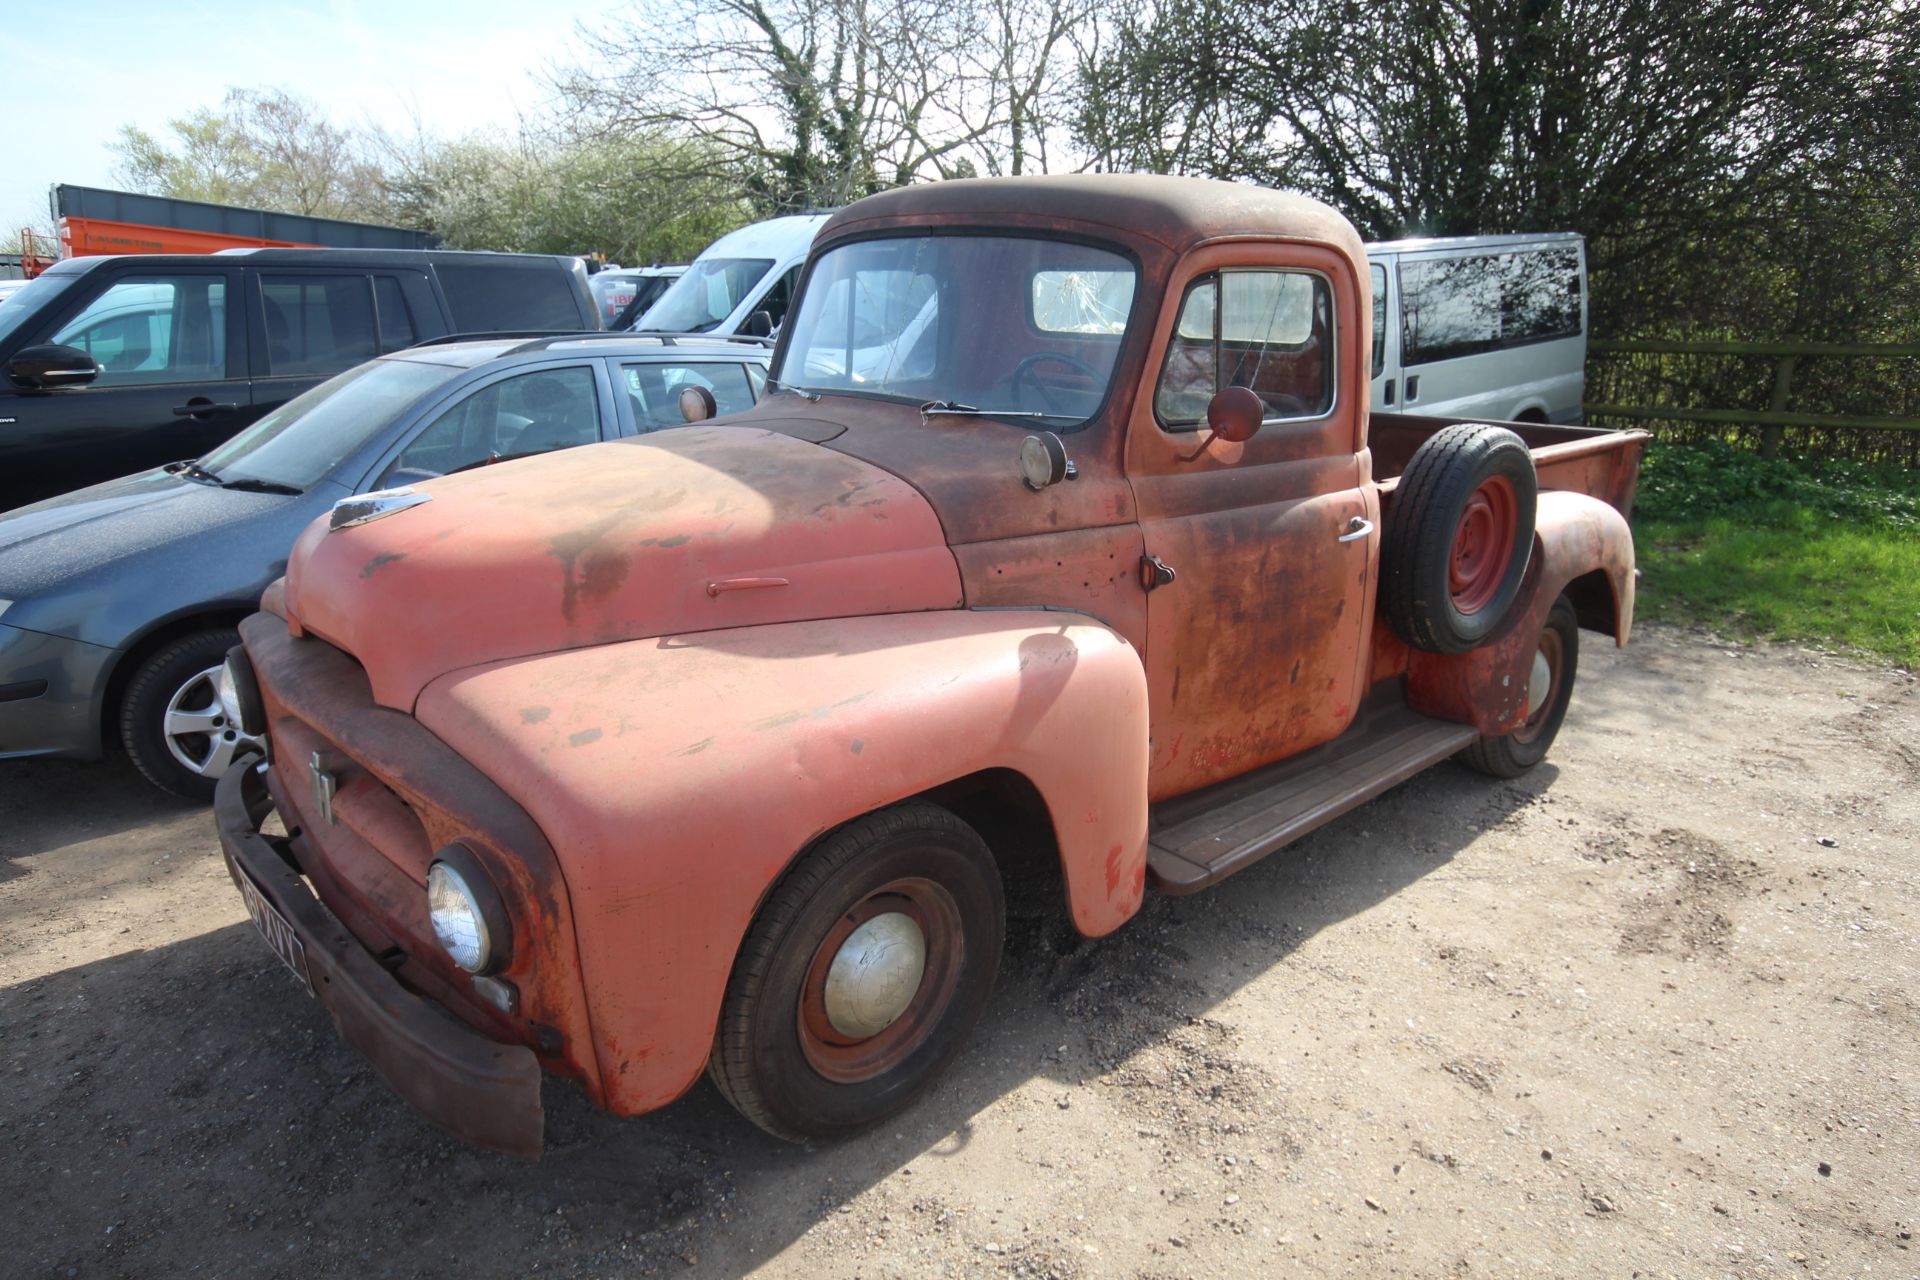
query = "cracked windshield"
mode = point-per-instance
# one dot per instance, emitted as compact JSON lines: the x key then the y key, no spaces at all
{"x":998,"y":325}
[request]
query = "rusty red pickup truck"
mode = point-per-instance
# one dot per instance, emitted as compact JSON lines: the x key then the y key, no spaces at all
{"x":1064,"y":520}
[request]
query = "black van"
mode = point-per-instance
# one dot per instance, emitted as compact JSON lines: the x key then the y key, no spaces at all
{"x":117,"y":364}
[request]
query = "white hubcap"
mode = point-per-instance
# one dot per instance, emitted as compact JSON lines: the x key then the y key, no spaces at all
{"x":198,"y":732}
{"x":875,"y":975}
{"x":1540,"y":685}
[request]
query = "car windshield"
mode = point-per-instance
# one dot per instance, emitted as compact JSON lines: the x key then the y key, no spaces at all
{"x":707,"y":294}
{"x":303,"y":440}
{"x":23,"y":304}
{"x":998,"y":324}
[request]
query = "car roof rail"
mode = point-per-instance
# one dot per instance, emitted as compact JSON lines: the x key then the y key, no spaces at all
{"x":673,"y":339}
{"x":497,"y":335}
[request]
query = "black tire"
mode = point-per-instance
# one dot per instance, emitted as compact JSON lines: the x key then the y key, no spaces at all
{"x":161,"y":675}
{"x":1418,"y":591}
{"x":769,"y":1064}
{"x":1512,"y":754}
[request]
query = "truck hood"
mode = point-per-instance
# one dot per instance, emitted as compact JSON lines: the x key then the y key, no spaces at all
{"x":689,"y":530}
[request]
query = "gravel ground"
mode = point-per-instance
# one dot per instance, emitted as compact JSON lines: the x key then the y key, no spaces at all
{"x":1649,"y":1010}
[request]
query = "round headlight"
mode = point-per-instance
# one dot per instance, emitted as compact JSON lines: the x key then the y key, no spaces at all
{"x":239,"y":693}
{"x":458,"y":921}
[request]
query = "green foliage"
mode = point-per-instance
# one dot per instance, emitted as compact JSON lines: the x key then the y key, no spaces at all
{"x":1823,"y":553}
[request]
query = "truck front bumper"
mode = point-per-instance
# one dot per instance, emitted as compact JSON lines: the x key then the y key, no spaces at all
{"x":476,"y":1089}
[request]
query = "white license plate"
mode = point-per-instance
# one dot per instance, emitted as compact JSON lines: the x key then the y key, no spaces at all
{"x":273,"y":927}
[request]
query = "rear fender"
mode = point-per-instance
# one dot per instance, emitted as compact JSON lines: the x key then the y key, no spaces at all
{"x":677,"y":778}
{"x":1574,"y":535}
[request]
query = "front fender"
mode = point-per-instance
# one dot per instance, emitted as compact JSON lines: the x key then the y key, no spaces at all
{"x":678,"y":777}
{"x":1574,"y":535}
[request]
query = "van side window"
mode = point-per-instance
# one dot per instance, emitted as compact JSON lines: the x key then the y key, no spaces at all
{"x":779,"y":298}
{"x":396,"y":326}
{"x":1271,"y":331}
{"x":1468,"y":306}
{"x":317,"y":324}
{"x":1379,"y":274}
{"x":152,"y":329}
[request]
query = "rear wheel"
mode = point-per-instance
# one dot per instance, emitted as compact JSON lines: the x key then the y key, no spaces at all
{"x":1549,"y":690}
{"x":171,"y":721}
{"x":862,"y":976}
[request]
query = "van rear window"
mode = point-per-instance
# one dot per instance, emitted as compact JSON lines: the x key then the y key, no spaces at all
{"x":495,"y":296}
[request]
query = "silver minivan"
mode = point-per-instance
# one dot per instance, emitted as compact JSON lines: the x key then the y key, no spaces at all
{"x":1481,"y":326}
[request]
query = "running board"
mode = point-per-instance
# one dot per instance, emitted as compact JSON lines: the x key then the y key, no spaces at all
{"x":1200,"y":839}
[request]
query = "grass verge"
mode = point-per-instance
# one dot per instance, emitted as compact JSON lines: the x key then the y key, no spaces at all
{"x":1808,"y":552}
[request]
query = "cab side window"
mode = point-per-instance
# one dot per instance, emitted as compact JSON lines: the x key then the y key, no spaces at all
{"x":779,"y":298}
{"x":533,"y":413}
{"x":153,"y":329}
{"x":1270,"y":331}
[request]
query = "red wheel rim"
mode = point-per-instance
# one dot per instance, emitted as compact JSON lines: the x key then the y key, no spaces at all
{"x":848,"y":1059}
{"x":1482,"y":545}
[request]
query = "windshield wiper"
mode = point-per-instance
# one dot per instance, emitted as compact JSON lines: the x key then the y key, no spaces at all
{"x":193,"y":469}
{"x":805,"y":393}
{"x":932,"y":407}
{"x":248,"y":484}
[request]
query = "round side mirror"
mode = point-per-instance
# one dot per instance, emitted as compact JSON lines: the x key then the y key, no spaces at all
{"x":1234,"y":414}
{"x":48,"y":367}
{"x":697,"y":404}
{"x":1043,"y":461}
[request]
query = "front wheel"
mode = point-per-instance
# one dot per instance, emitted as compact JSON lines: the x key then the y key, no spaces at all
{"x":1549,"y":690}
{"x":862,"y":976}
{"x":171,"y":720}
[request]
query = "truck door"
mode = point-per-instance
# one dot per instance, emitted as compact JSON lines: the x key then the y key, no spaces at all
{"x":1259,"y":555}
{"x":171,"y":383}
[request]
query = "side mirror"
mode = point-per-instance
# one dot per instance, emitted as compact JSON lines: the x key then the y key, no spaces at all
{"x":1235,"y":414}
{"x":697,"y":403}
{"x":758,"y":324}
{"x":44,"y":368}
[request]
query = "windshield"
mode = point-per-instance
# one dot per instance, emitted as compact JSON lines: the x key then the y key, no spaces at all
{"x":705,"y":295}
{"x":23,"y":304}
{"x":1002,"y":324}
{"x":303,"y":440}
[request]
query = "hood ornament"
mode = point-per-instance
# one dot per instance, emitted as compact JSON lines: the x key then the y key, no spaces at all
{"x":372,"y":506}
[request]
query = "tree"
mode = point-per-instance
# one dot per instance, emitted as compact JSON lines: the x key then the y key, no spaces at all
{"x":818,"y":102}
{"x":262,"y":149}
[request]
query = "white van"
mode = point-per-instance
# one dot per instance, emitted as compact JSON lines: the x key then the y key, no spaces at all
{"x":742,"y":274}
{"x":1481,"y":327}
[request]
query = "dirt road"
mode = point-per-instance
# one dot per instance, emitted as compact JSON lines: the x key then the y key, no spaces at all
{"x":1651,"y":1010}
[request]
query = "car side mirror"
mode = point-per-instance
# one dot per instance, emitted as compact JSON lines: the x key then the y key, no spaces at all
{"x":758,"y":324}
{"x":48,"y":367}
{"x":1235,"y":414}
{"x":697,"y":403}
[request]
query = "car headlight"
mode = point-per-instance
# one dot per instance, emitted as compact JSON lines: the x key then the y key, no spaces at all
{"x":468,"y":918}
{"x":239,"y":693}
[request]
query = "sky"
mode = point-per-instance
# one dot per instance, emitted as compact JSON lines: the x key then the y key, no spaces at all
{"x":457,"y":66}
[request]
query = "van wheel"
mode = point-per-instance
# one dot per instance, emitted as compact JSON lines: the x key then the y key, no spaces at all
{"x":862,"y":976}
{"x":1458,"y":538}
{"x":1549,"y":690}
{"x":171,"y":720}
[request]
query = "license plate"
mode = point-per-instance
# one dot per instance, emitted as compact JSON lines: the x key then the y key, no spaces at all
{"x":273,"y":927}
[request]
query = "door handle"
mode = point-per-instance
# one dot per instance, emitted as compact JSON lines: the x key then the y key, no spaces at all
{"x":1358,"y":527}
{"x":1413,"y":388}
{"x":1387,"y":396}
{"x":201,"y":407}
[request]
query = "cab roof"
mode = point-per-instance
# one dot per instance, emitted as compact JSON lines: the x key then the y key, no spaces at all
{"x":1179,"y":213}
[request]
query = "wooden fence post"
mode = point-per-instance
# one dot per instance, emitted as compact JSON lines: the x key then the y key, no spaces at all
{"x":1771,"y":436}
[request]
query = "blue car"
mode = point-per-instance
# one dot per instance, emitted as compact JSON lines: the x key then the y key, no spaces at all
{"x":118,"y":602}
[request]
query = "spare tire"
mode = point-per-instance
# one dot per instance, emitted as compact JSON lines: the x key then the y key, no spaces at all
{"x":1458,"y":538}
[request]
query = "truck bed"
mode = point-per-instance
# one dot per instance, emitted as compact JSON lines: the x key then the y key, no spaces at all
{"x":1590,"y":460}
